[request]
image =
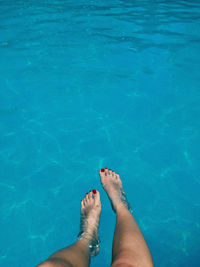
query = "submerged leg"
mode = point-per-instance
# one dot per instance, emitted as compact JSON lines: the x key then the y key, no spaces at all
{"x":129,"y":245}
{"x":87,"y":246}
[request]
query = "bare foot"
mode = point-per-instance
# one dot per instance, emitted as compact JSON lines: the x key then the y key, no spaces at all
{"x":90,"y":213}
{"x":113,"y":186}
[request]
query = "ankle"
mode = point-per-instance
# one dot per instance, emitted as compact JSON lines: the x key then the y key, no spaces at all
{"x":91,"y":242}
{"x":121,"y":207}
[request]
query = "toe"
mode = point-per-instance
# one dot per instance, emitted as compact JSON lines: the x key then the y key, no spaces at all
{"x":112,"y":173}
{"x":117,"y":175}
{"x":82,"y":203}
{"x":90,"y":195}
{"x":96,"y":195}
{"x":102,"y":172}
{"x":87,"y":197}
{"x":106,"y":171}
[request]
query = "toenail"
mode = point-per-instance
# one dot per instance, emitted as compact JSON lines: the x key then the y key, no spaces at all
{"x":94,"y":191}
{"x":86,"y":193}
{"x":102,"y":170}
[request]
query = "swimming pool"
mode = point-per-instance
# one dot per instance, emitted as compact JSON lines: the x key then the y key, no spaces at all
{"x":91,"y":84}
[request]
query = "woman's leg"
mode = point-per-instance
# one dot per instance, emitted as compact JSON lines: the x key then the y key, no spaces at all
{"x":74,"y":255}
{"x":87,"y":246}
{"x":129,"y":246}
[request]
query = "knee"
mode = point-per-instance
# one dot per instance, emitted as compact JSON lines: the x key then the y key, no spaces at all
{"x":55,"y":263}
{"x":123,"y":263}
{"x":124,"y":260}
{"x":49,"y":263}
{"x":46,"y":264}
{"x":129,"y":261}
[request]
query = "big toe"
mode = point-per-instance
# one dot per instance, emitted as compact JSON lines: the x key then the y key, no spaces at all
{"x":102,"y":173}
{"x":96,"y":195}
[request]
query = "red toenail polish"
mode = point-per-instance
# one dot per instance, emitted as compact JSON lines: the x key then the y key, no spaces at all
{"x":102,"y":170}
{"x":94,"y":191}
{"x":86,"y":193}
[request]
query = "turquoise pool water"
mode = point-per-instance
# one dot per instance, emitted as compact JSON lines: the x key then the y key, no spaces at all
{"x":92,"y":84}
